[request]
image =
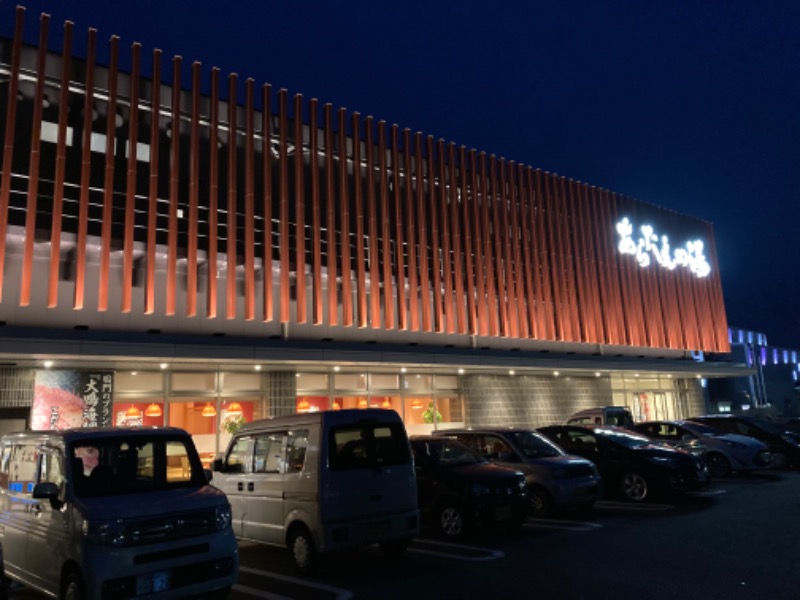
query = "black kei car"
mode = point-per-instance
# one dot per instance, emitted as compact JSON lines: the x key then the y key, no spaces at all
{"x":460,"y":491}
{"x":629,"y":463}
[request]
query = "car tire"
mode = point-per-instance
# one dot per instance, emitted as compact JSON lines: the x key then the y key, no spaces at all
{"x":540,"y":504}
{"x":451,"y":520}
{"x":634,"y":486}
{"x":72,"y":587}
{"x":718,"y":465}
{"x":779,"y":460}
{"x":394,"y":549}
{"x":301,"y":546}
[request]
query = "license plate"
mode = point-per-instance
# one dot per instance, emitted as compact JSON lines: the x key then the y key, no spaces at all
{"x":152,"y":582}
{"x":376,"y":531}
{"x":503,"y":513}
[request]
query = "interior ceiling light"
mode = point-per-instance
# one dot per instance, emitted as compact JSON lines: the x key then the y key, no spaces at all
{"x":416,"y":404}
{"x":133,"y":412}
{"x":153,"y":410}
{"x":386,"y":403}
{"x":234,"y":407}
{"x":303,"y":406}
{"x":362,"y":403}
{"x":209,"y":410}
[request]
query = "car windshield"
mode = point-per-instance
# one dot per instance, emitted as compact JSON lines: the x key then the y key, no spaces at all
{"x":126,"y":464}
{"x":534,"y":445}
{"x":624,"y":438}
{"x":701,"y":429}
{"x":448,"y":452}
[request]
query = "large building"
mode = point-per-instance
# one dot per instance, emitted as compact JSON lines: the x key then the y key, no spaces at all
{"x":197,"y":254}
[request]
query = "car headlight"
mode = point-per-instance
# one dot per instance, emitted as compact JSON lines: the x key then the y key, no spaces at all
{"x":105,"y":533}
{"x":223,"y":517}
{"x":737,"y":445}
{"x":478,"y":489}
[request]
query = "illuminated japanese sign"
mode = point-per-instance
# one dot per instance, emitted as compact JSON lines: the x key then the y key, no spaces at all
{"x":648,"y":247}
{"x":64,"y":399}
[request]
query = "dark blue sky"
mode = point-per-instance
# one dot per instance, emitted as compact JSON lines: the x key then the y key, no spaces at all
{"x":687,"y":104}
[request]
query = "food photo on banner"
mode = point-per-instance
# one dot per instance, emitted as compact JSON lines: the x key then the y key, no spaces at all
{"x":65,"y":399}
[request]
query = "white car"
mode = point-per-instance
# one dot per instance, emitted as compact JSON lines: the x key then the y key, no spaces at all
{"x":725,"y":452}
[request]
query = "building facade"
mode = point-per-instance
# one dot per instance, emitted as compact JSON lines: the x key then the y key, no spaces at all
{"x":185,"y":242}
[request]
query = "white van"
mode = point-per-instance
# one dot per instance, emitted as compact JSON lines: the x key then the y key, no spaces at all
{"x":619,"y":416}
{"x":322,"y":481}
{"x":113,"y":513}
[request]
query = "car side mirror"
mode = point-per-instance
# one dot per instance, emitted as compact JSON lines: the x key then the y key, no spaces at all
{"x":217,"y":465}
{"x":209,"y":474}
{"x":47,"y":490}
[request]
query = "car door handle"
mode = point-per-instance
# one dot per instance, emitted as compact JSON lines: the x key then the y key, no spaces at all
{"x":240,"y":487}
{"x":251,"y":487}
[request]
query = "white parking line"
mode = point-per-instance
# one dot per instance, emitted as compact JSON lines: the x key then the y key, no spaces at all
{"x":558,"y":524}
{"x":490,"y":554}
{"x":708,"y":493}
{"x":341,"y":594}
{"x":630,"y":506}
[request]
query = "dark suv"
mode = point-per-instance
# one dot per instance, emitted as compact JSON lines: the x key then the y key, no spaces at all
{"x":556,"y":480}
{"x":460,"y":491}
{"x":783,"y":445}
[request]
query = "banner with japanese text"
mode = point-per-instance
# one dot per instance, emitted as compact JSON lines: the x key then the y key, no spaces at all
{"x":65,"y":399}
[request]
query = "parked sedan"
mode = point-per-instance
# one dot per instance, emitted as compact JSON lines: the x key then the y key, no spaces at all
{"x":725,"y":452}
{"x":784,"y":447}
{"x":556,"y":480}
{"x":629,"y":463}
{"x":460,"y":491}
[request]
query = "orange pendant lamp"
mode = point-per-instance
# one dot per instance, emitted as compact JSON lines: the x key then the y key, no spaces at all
{"x":209,"y":410}
{"x":303,"y":406}
{"x":386,"y":403}
{"x":133,"y":412}
{"x":153,"y":410}
{"x":416,"y":404}
{"x":234,"y":407}
{"x":362,"y":403}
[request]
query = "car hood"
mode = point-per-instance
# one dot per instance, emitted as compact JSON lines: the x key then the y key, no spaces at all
{"x":656,"y":451}
{"x":151,"y":504}
{"x":741,"y":439}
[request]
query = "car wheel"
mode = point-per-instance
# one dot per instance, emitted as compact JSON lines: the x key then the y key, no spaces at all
{"x":301,"y":545}
{"x":718,"y":464}
{"x":539,"y":502}
{"x":779,"y":460}
{"x":72,"y":587}
{"x":634,"y":486}
{"x":452,"y":523}
{"x":395,"y":548}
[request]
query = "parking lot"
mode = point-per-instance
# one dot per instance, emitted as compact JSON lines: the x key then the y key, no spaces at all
{"x":737,"y":539}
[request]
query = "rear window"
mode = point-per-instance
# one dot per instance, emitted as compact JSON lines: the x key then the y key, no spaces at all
{"x":367,"y":445}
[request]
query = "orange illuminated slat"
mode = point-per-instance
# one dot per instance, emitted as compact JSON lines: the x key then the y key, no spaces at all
{"x":575,"y":262}
{"x":482,"y":327}
{"x":283,"y":203}
{"x":152,"y":210}
{"x":433,"y":192}
{"x":506,"y":208}
{"x":447,"y":263}
{"x":669,"y":299}
{"x":720,"y":318}
{"x":362,"y":314}
{"x":488,"y":256}
{"x":545,"y":266}
{"x":386,"y":251}
{"x":213,"y":197}
{"x":631,"y":294}
{"x":316,"y":217}
{"x":527,"y":243}
{"x":299,"y":214}
{"x":61,"y":156}
{"x":108,"y":188}
{"x":615,"y":301}
{"x":498,"y":232}
{"x":174,"y":188}
{"x":33,"y":172}
{"x":422,"y":220}
{"x":8,"y":141}
{"x":266,"y":157}
{"x":469,"y":279}
{"x":456,"y":198}
{"x":586,"y":258}
{"x":399,"y":246}
{"x":194,"y":194}
{"x":603,"y":244}
{"x":344,"y":216}
{"x":372,"y":227}
{"x":249,"y":206}
{"x":232,"y":207}
{"x":330,"y":221}
{"x":564,"y":273}
{"x":516,"y":206}
{"x":410,"y":178}
{"x":130,"y":181}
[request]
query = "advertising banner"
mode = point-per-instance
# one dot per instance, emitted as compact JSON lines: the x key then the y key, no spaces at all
{"x":64,"y":399}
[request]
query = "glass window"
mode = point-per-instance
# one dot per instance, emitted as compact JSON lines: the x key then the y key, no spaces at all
{"x":385,"y":382}
{"x":418,"y":382}
{"x":178,"y":468}
{"x":367,"y":446}
{"x":296,"y":444}
{"x":240,"y":382}
{"x":126,"y":381}
{"x":348,"y":381}
{"x":268,"y":453}
{"x":193,"y":382}
{"x":237,"y":455}
{"x":446,"y":382}
{"x":198,"y":417}
{"x":312,"y":381}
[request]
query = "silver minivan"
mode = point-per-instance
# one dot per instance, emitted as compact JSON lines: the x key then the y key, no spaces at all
{"x":322,"y":481}
{"x":113,"y":513}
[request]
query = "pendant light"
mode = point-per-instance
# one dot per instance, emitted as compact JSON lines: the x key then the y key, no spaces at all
{"x":133,"y":412}
{"x":209,"y":410}
{"x":153,"y":410}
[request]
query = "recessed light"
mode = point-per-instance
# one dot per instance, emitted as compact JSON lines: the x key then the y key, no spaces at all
{"x":48,"y":364}
{"x":403,"y":370}
{"x":461,"y":371}
{"x":511,"y":372}
{"x":555,"y":373}
{"x":336,"y":368}
{"x":163,"y":365}
{"x":134,"y":373}
{"x":257,"y":367}
{"x":597,"y":374}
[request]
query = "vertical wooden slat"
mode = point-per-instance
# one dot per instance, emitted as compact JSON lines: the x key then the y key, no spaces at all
{"x":283,"y":203}
{"x":515,"y":205}
{"x":299,"y":214}
{"x":488,"y":258}
{"x":249,"y":205}
{"x":446,"y":262}
{"x":399,"y":246}
{"x":482,"y":312}
{"x":544,"y":229}
{"x":386,"y":251}
{"x":498,"y":232}
{"x":231,"y":248}
{"x":330,"y":221}
{"x":372,"y":227}
{"x":194,"y":194}
{"x":61,"y":159}
{"x":152,"y":209}
{"x":174,"y":187}
{"x":8,"y":140}
{"x":344,"y":217}
{"x":457,"y":197}
{"x":33,"y":169}
{"x":617,"y":300}
{"x":130,"y":182}
{"x":108,"y":186}
{"x":409,"y":182}
{"x":213,"y":197}
{"x":602,"y":244}
{"x":317,"y":313}
{"x":362,"y":313}
{"x":266,"y":158}
{"x":433,"y":201}
{"x":527,"y":244}
{"x":422,"y":220}
{"x":506,"y":206}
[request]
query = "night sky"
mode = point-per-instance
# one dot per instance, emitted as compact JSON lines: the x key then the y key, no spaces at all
{"x":687,"y":104}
